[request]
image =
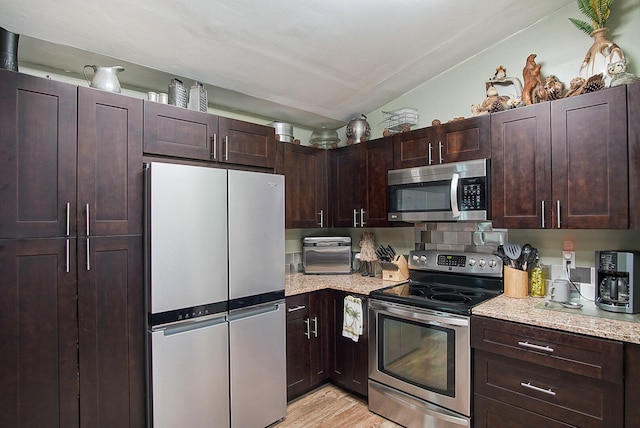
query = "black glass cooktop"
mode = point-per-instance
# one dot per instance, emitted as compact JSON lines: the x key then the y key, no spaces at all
{"x":442,"y":292}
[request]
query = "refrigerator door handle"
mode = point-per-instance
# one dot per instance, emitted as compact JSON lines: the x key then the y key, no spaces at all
{"x":255,"y":311}
{"x":194,"y":324}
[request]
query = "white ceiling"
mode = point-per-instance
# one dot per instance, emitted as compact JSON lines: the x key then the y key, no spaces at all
{"x":307,"y":62}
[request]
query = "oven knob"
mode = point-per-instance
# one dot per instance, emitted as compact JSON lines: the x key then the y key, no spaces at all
{"x":492,"y":263}
{"x":482,"y":263}
{"x":415,"y":258}
{"x":423,"y":259}
{"x":472,"y":262}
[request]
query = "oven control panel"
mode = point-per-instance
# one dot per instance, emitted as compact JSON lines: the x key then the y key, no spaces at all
{"x":469,"y":263}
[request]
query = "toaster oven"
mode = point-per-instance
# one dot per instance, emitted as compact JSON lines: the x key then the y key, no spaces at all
{"x":326,"y":255}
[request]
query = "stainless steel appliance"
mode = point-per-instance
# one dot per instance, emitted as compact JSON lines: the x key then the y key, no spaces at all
{"x":326,"y":255}
{"x":419,"y":348}
{"x":618,"y":288}
{"x":447,"y":192}
{"x":210,"y":312}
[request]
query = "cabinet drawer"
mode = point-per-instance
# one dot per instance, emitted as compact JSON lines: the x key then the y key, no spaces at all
{"x":490,"y":413}
{"x":574,"y":353}
{"x":567,"y":397}
{"x":297,"y":306}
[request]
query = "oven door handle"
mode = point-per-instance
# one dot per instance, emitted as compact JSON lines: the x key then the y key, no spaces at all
{"x":418,"y":314}
{"x":455,"y":211}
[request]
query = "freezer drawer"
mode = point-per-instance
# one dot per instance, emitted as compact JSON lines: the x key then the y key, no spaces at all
{"x":190,"y":378}
{"x":258,"y":365}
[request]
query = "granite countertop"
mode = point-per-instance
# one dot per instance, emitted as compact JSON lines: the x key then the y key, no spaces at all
{"x":298,"y":283}
{"x":589,"y":320}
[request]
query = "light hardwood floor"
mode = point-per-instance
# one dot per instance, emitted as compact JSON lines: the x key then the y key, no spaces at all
{"x":331,"y":407}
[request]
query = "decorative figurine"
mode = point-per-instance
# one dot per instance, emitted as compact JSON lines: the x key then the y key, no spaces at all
{"x":553,"y":87}
{"x":533,"y":91}
{"x":368,"y":253}
{"x":619,"y":75}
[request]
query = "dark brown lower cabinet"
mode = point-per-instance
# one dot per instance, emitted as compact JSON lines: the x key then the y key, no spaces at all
{"x":632,"y":385}
{"x":349,"y":360}
{"x":72,"y":336}
{"x":307,"y":338}
{"x":527,"y":376}
{"x":38,"y":337}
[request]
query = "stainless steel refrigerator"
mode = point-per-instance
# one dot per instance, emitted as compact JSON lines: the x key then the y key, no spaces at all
{"x":215,"y":297}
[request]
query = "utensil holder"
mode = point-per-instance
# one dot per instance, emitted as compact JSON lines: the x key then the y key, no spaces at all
{"x":516,"y":283}
{"x":399,"y":273}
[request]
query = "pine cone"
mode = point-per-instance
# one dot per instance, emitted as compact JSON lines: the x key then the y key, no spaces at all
{"x":496,"y":106}
{"x":594,"y":83}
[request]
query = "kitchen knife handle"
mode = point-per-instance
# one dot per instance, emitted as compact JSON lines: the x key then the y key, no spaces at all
{"x":355,"y":218}
{"x":297,"y":308}
{"x":315,"y":326}
{"x":440,"y":146}
{"x":362,"y":223}
{"x":430,"y":156}
{"x":308,"y":332}
{"x":214,"y":145}
{"x":542,"y":214}
{"x":454,"y":195}
{"x":558,"y":210}
{"x":537,"y":388}
{"x":321,"y":213}
{"x":536,"y":347}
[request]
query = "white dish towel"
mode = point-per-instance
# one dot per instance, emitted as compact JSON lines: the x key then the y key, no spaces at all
{"x":352,"y":319}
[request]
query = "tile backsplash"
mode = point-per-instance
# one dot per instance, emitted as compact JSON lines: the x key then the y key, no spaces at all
{"x":462,"y":236}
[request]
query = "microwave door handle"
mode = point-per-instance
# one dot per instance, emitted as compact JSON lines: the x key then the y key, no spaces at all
{"x":454,"y":195}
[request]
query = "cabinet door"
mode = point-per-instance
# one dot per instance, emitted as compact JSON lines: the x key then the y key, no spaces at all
{"x":415,"y":148}
{"x":38,"y":157}
{"x":489,"y":413}
{"x":246,"y":143}
{"x":345,"y":186}
{"x":111,"y":326}
{"x":521,"y":168}
{"x":376,"y":159}
{"x":298,"y":381}
{"x":319,"y":342}
{"x":349,"y":360}
{"x":305,"y":187}
{"x":109,"y":163}
{"x":38,"y":338}
{"x":632,"y":384}
{"x":633,"y":99}
{"x":462,"y":140}
{"x":590,"y":182}
{"x":179,"y":132}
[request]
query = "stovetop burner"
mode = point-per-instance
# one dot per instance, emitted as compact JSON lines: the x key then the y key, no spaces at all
{"x":443,"y":288}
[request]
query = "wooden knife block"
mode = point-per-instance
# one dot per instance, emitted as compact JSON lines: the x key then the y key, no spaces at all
{"x":400,"y":274}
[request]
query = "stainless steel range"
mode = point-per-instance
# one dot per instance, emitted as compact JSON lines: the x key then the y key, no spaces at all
{"x":420,"y":353}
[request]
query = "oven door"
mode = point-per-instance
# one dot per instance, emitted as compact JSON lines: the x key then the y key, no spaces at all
{"x":421,"y":352}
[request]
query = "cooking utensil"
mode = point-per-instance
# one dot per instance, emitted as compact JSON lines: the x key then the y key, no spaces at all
{"x":527,"y":256}
{"x":500,"y":253}
{"x":513,"y":251}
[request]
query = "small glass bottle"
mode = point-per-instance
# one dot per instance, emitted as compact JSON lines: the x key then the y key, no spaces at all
{"x":536,"y":280}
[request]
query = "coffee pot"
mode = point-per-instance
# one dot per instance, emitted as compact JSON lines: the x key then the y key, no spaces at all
{"x":105,"y":78}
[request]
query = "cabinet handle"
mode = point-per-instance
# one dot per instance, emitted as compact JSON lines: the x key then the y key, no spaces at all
{"x":297,"y":308}
{"x":214,"y":144}
{"x":321,"y":218}
{"x":68,"y":218}
{"x":440,"y":145}
{"x":67,"y":256}
{"x":558,"y":210}
{"x":542,"y":215}
{"x":88,"y":233}
{"x":548,"y":391}
{"x":315,"y":326}
{"x":362,"y":223}
{"x":307,"y":333}
{"x":536,"y":347}
{"x":430,"y":156}
{"x":355,"y":219}
{"x":226,"y":148}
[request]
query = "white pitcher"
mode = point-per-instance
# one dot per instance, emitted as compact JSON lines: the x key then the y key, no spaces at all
{"x":105,"y":78}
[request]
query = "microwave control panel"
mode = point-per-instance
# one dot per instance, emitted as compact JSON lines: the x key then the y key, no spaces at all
{"x":473,"y":195}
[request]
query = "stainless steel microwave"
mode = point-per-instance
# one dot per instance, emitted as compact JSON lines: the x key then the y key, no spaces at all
{"x":457,"y":191}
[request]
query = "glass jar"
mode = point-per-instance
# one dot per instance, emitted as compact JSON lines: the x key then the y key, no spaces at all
{"x":536,"y":281}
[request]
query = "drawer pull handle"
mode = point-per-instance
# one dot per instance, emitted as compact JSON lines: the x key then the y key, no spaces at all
{"x":536,"y":347}
{"x":297,"y":308}
{"x":548,"y":391}
{"x":308,"y":330}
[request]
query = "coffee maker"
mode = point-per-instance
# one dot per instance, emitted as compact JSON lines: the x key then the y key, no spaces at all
{"x":618,"y":286}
